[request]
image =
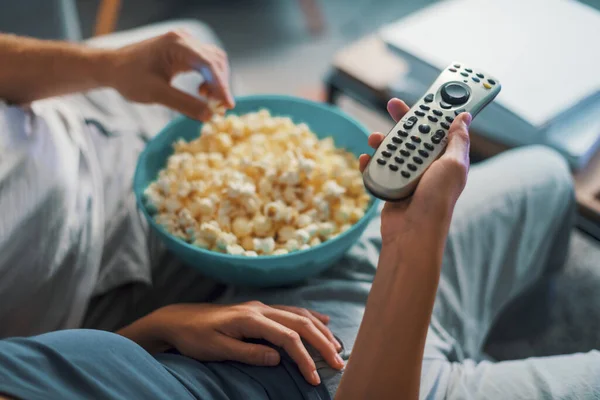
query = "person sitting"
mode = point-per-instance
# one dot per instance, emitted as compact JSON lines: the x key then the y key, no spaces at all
{"x":92,"y":306}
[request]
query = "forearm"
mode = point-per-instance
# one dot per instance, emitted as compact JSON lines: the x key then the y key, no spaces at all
{"x":33,"y":69}
{"x":388,"y":352}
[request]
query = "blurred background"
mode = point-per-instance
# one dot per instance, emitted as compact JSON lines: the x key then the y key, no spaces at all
{"x":290,"y":47}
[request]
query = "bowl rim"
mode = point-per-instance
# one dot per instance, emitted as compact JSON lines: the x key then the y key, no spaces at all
{"x":179,"y":119}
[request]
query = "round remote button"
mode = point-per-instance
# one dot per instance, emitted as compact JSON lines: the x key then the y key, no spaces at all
{"x":380,"y":161}
{"x":480,"y":75}
{"x":464,"y":74}
{"x":429,"y":98}
{"x":455,"y":93}
{"x":457,"y":65}
{"x":491,"y":81}
{"x":405,"y":174}
{"x":424,"y":128}
{"x":393,"y":167}
{"x":445,"y":106}
{"x":468,"y":70}
{"x":452,"y":69}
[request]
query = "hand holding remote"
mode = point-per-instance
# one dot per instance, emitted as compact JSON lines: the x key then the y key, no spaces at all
{"x":421,"y":134}
{"x":440,"y":185}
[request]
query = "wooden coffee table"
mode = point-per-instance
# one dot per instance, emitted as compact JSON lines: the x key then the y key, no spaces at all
{"x":367,"y":69}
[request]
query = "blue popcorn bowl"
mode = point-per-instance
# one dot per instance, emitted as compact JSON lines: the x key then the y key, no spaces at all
{"x":269,"y":270}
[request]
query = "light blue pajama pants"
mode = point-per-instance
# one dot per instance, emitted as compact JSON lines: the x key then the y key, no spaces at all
{"x":510,"y":229}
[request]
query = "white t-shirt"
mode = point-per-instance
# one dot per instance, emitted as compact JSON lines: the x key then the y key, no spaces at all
{"x":69,"y":228}
{"x":50,"y":219}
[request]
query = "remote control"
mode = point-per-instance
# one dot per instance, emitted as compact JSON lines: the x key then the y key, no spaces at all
{"x":420,"y":137}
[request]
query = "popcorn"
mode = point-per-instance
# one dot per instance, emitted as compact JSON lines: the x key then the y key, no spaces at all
{"x":280,"y":252}
{"x":235,"y":249}
{"x":292,"y":245}
{"x":266,"y":245}
{"x":286,"y":233}
{"x":242,"y":227}
{"x":257,"y":184}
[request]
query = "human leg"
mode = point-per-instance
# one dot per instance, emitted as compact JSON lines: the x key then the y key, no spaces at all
{"x":510,"y":228}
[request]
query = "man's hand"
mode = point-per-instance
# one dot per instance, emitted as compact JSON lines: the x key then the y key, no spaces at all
{"x":439,"y":186}
{"x":143,"y":71}
{"x":209,"y":332}
{"x":34,"y":69}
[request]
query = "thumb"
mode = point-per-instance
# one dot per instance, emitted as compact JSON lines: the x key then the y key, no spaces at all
{"x":248,"y":353}
{"x":184,"y":103}
{"x":458,"y":138}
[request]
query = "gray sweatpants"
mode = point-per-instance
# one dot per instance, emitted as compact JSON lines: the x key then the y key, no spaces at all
{"x":510,"y":229}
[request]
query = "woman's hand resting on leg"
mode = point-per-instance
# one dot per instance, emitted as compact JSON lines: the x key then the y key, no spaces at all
{"x":209,"y":332}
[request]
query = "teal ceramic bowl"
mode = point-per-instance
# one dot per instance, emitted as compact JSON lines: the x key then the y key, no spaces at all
{"x":262,"y":271}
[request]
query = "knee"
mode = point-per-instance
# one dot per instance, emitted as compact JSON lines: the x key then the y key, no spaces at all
{"x":546,"y":172}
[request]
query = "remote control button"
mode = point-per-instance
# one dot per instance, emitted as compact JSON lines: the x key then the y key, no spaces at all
{"x":468,"y":70}
{"x":460,"y":110}
{"x":423,"y":153}
{"x":449,"y":119}
{"x":480,"y":75}
{"x":399,"y":160}
{"x":410,"y":146}
{"x":445,"y":106}
{"x":396,"y":139}
{"x":405,"y":174}
{"x":436,"y":140}
{"x":475,"y":79}
{"x":424,"y":107}
{"x":393,"y":167}
{"x":439,"y":134}
{"x":402,"y":134}
{"x":408,"y":125}
{"x":491,"y":81}
{"x":417,"y":160}
{"x":420,"y":113}
{"x":413,"y":119}
{"x":381,"y":161}
{"x":386,"y":154}
{"x":487,"y":85}
{"x":429,"y":98}
{"x":456,"y":65}
{"x":438,"y":113}
{"x":464,"y":74}
{"x":412,"y":167}
{"x":445,"y":125}
{"x":452,"y":69}
{"x":428,"y":146}
{"x":432,"y":118}
{"x":424,"y":128}
{"x":392,"y":146}
{"x":455,"y":93}
{"x":416,"y":139}
{"x":404,"y":153}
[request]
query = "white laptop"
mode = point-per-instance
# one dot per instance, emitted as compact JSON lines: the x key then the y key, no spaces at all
{"x":545,"y":52}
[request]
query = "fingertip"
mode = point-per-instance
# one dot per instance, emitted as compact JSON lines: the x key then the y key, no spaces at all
{"x":467,"y":118}
{"x":271,"y":358}
{"x":316,"y":379}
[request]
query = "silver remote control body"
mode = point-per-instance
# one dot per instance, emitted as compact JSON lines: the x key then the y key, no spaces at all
{"x":420,"y":137}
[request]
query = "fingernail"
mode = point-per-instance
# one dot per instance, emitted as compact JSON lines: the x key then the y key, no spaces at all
{"x":271,"y":358}
{"x":467,"y":119}
{"x":337,"y":344}
{"x":316,"y":377}
{"x":339,"y":360}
